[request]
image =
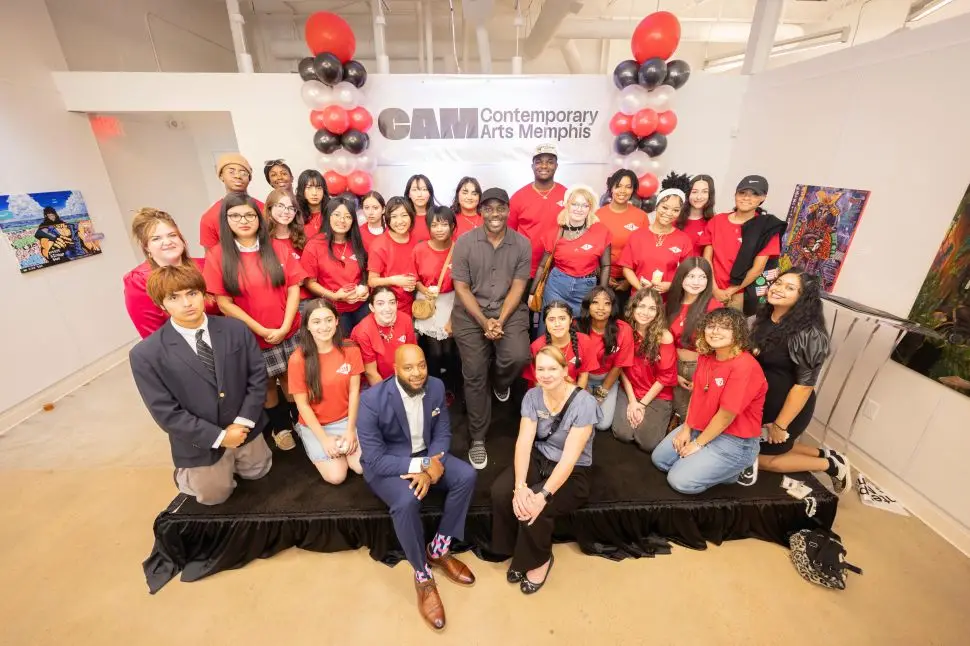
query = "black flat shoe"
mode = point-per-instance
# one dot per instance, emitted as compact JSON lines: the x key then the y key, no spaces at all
{"x":528,"y":587}
{"x":514,"y":576}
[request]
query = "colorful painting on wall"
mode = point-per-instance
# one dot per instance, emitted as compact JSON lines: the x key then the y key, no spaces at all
{"x":821,"y":223}
{"x":943,"y":304}
{"x":48,"y":229}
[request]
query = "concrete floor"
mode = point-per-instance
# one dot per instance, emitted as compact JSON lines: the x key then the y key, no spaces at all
{"x":83,"y":483}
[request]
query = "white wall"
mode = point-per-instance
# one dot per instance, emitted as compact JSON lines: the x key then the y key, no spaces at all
{"x":58,"y":320}
{"x":849,"y":119}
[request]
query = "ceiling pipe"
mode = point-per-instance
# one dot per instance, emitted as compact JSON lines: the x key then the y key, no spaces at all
{"x":570,"y":53}
{"x":244,"y":62}
{"x":484,"y":49}
{"x":428,"y":37}
{"x":380,"y":45}
{"x":547,"y":24}
{"x":576,"y":28}
{"x":419,"y":8}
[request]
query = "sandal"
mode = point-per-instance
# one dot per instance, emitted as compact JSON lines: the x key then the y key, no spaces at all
{"x":528,"y":587}
{"x":284,"y":440}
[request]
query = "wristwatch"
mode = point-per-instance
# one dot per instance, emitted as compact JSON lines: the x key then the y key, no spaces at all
{"x":425,"y":464}
{"x":601,"y":392}
{"x":546,"y":494}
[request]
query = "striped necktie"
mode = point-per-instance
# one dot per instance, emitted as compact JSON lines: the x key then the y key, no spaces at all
{"x":205,"y":352}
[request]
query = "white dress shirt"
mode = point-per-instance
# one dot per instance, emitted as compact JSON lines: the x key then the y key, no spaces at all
{"x":414,"y":410}
{"x":189,"y":335}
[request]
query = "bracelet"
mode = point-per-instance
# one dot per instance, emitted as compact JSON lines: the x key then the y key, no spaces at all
{"x":781,"y":428}
{"x":697,"y":444}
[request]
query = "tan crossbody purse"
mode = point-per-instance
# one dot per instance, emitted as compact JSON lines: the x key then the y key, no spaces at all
{"x":425,"y":308}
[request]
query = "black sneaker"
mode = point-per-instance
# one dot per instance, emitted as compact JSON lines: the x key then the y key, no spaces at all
{"x":477,"y":455}
{"x":749,"y":476}
{"x":502,"y":396}
{"x":842,"y":479}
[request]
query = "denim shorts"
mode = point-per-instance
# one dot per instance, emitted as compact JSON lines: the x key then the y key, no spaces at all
{"x":314,"y":450}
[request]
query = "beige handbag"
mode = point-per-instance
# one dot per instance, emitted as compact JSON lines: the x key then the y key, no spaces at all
{"x":424,"y":309}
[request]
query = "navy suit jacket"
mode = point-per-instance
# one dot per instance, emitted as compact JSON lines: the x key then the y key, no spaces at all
{"x":184,"y":399}
{"x":383,"y":432}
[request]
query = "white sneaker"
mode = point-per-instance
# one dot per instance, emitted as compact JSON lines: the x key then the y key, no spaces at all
{"x":477,"y":455}
{"x":502,"y":396}
{"x":749,"y":476}
{"x":842,"y":479}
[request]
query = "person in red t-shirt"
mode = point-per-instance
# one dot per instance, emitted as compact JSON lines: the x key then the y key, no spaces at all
{"x":324,"y":379}
{"x":235,"y":173}
{"x":372,"y":205}
{"x":420,"y":193}
{"x":652,"y":255}
{"x":534,"y":208}
{"x":389,"y":260}
{"x":285,"y":225}
{"x":623,"y":220}
{"x":644,"y":401}
{"x":468,"y":197}
{"x":381,"y":333}
{"x":311,"y":197}
{"x":723,"y":429}
{"x":578,"y":348}
{"x":697,"y":211}
{"x":689,"y":300}
{"x":259,"y":284}
{"x":599,"y":318}
{"x":336,"y":264}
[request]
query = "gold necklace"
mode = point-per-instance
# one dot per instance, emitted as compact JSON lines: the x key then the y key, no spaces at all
{"x":661,"y":236}
{"x":541,"y":194}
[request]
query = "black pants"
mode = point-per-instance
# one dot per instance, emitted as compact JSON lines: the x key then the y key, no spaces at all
{"x":531,"y":545}
{"x":443,"y":361}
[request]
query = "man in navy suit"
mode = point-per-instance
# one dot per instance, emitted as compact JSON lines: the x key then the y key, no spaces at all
{"x":404,"y":435}
{"x":204,"y":382}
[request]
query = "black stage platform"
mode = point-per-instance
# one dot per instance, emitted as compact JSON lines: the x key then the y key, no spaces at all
{"x":632,"y":512}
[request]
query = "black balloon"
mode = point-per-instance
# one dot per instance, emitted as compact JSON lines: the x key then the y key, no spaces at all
{"x":354,"y":141}
{"x":625,"y":74}
{"x":325,"y":141}
{"x":328,"y":68}
{"x":654,"y":145}
{"x":677,"y":74}
{"x":625,"y":143}
{"x":305,"y":67}
{"x":355,"y":72}
{"x":652,"y":73}
{"x":649,"y":204}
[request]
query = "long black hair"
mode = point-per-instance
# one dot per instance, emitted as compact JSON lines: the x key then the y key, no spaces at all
{"x":675,"y":297}
{"x":269,"y":262}
{"x":805,"y":313}
{"x":353,"y":236}
{"x":573,"y":339}
{"x":455,"y":206}
{"x":308,"y":345}
{"x":310,"y":177}
{"x":48,"y":211}
{"x":585,"y":324}
{"x":708,"y":210}
{"x":432,"y":201}
{"x":649,"y":346}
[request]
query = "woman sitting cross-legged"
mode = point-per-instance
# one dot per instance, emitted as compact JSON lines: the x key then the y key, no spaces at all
{"x":324,"y":379}
{"x":723,"y":426}
{"x":550,"y":472}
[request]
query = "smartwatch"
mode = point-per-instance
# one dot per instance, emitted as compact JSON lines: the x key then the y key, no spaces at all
{"x":546,"y":494}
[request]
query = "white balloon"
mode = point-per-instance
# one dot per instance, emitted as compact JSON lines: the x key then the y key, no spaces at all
{"x":344,"y":162}
{"x":638,"y":162}
{"x":656,"y":166}
{"x":633,"y":98}
{"x":316,"y":95}
{"x":346,"y":95}
{"x":324,"y":162}
{"x":662,"y":98}
{"x":618,"y":161}
{"x":367,"y":161}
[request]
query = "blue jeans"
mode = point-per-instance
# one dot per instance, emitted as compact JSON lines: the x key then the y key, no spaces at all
{"x":609,"y":404}
{"x":312,"y":446}
{"x":720,"y":462}
{"x":563,"y":287}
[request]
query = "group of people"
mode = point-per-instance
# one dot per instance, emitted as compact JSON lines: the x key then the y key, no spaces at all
{"x":355,"y":323}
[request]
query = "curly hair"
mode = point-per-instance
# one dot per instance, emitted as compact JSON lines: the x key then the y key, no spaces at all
{"x":673,"y":180}
{"x":805,"y":313}
{"x":726,"y":318}
{"x":649,"y":345}
{"x":573,"y":339}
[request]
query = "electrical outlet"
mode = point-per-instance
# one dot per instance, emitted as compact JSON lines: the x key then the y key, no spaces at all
{"x":870,"y":409}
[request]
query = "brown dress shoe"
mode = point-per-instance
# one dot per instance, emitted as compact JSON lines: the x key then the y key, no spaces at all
{"x":452,"y":567}
{"x":429,"y":604}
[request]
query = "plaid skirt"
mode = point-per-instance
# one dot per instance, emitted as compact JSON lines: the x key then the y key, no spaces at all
{"x":278,"y":356}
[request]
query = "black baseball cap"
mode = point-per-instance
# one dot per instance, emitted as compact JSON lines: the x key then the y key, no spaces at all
{"x":755,"y":183}
{"x":495,"y":194}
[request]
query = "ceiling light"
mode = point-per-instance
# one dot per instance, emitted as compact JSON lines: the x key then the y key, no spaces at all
{"x":781,"y":48}
{"x":921,"y":10}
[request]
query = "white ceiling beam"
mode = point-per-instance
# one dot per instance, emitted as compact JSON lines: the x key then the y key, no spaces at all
{"x":767,"y":15}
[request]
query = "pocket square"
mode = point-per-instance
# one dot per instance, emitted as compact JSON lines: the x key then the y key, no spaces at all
{"x":435,"y":412}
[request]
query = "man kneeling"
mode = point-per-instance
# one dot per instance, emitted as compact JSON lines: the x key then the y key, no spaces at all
{"x":404,"y":434}
{"x":204,"y":381}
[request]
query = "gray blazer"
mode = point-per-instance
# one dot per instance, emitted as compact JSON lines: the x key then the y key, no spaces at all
{"x":183,"y":398}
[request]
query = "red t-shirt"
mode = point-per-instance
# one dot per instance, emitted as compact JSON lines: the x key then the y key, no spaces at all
{"x":368,"y":238}
{"x":333,"y":273}
{"x":695,"y":230}
{"x":533,"y":215}
{"x":426,"y":265}
{"x":258,"y":297}
{"x":336,"y":369}
{"x":619,"y":356}
{"x":621,"y":226}
{"x":312,"y":225}
{"x":380,"y":349}
{"x":209,"y":224}
{"x":725,"y":237}
{"x":285,"y":245}
{"x":588,"y":357}
{"x":677,"y":326}
{"x":147,"y":316}
{"x":389,"y":258}
{"x":420,"y":231}
{"x":737,"y":385}
{"x":467,"y":222}
{"x":579,"y":257}
{"x":643,"y":256}
{"x":643,"y":374}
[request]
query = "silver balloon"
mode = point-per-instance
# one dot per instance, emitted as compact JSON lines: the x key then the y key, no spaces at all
{"x":662,"y":98}
{"x":346,"y":95}
{"x":324,"y":162}
{"x":618,"y":161}
{"x":344,"y":162}
{"x":638,"y":162}
{"x":316,"y":95}
{"x":367,"y":161}
{"x":656,"y":166}
{"x":633,"y":98}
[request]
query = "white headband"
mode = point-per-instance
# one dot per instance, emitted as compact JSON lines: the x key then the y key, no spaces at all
{"x":667,"y":192}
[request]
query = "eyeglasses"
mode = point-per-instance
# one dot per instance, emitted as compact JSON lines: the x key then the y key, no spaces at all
{"x":579,"y":206}
{"x":286,"y":209}
{"x":241,"y":173}
{"x":341,"y":216}
{"x":242,"y":217}
{"x":716,"y":327}
{"x":495,"y":210}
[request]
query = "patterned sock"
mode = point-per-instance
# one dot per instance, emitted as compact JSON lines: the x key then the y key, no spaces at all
{"x":422,"y":577}
{"x":440,"y":545}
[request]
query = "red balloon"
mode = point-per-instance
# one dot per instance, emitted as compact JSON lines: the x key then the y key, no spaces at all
{"x":316,"y":118}
{"x":335,"y":119}
{"x":657,"y":36}
{"x":328,"y":32}
{"x":666,"y":122}
{"x":336,"y":183}
{"x":359,"y":182}
{"x":620,"y":123}
{"x":648,"y":185}
{"x":645,"y":122}
{"x":360,"y":119}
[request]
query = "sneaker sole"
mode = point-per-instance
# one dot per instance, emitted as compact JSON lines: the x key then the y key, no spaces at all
{"x":475,"y":466}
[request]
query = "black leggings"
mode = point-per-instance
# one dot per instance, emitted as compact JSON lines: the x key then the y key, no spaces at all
{"x":443,"y":361}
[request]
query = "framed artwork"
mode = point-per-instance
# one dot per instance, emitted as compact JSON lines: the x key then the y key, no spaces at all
{"x":48,"y":229}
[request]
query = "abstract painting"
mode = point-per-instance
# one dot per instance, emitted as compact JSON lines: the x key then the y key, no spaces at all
{"x":48,"y":229}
